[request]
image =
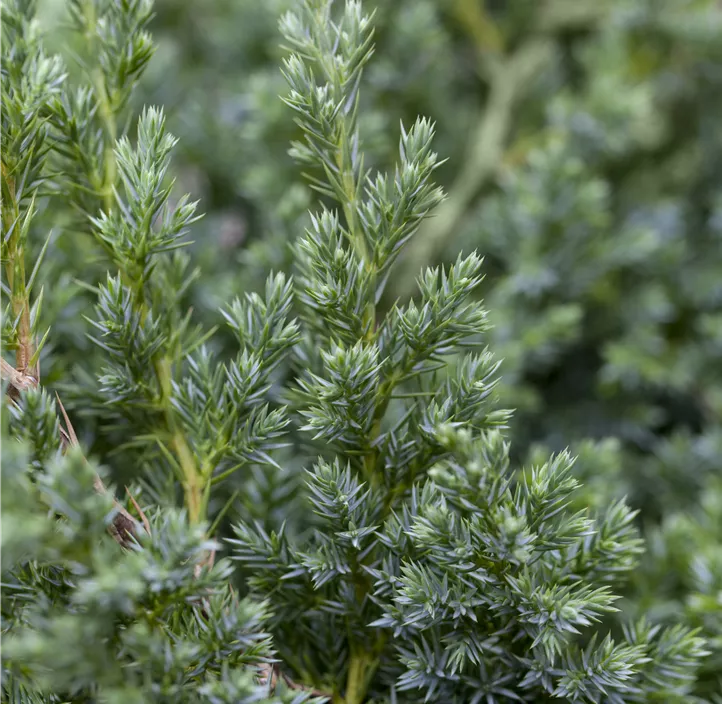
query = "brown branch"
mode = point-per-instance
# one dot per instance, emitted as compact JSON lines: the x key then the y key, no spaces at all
{"x":270,"y":673}
{"x":19,"y":381}
{"x":124,"y":527}
{"x":143,"y":517}
{"x":304,"y":688}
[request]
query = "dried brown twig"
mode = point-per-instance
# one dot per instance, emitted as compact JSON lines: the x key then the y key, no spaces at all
{"x":146,"y":522}
{"x":19,"y":381}
{"x":270,"y":672}
{"x":124,"y":527}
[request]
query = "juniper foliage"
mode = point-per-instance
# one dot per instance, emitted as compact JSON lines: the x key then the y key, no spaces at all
{"x":148,"y":616}
{"x":451,"y":577}
{"x":587,"y":134}
{"x":85,"y":621}
{"x":423,"y":566}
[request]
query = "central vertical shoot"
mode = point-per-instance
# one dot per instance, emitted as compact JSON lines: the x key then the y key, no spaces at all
{"x":353,"y":364}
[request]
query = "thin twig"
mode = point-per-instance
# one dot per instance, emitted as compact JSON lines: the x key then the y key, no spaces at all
{"x":304,"y":688}
{"x":270,"y":674}
{"x":143,"y":517}
{"x":19,"y":381}
{"x":124,"y":527}
{"x":207,"y":561}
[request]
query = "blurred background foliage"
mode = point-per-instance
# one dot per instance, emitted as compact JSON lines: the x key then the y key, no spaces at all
{"x":584,"y":143}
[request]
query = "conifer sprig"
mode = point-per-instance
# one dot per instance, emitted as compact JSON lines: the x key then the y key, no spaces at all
{"x":437,"y":572}
{"x":31,"y":81}
{"x":213,"y":418}
{"x":115,"y":48}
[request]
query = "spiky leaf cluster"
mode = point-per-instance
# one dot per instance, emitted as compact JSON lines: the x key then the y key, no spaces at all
{"x":84,"y":620}
{"x":434,"y":572}
{"x":424,"y":566}
{"x":31,"y":82}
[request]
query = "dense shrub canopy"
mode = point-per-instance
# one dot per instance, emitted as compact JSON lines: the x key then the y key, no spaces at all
{"x":325,"y":498}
